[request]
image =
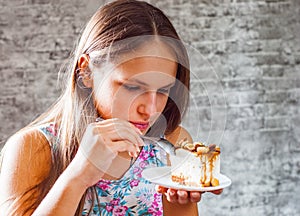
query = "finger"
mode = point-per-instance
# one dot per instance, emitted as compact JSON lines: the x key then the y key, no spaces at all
{"x":129,"y":126}
{"x":137,"y":135}
{"x":138,"y":132}
{"x":130,"y":135}
{"x":109,"y":133}
{"x":117,"y":121}
{"x":195,"y":196}
{"x":171,"y":195}
{"x":121,"y":146}
{"x":140,"y":141}
{"x":217,"y":192}
{"x":183,"y":197}
{"x":118,"y":130}
{"x":160,"y":189}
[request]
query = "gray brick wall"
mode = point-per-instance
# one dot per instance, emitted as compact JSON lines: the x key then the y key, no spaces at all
{"x":245,"y":57}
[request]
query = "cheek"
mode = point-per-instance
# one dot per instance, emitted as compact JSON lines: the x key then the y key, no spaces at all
{"x":121,"y":107}
{"x":102,"y":104}
{"x":121,"y":103}
{"x":161,"y":102}
{"x":103,"y":99}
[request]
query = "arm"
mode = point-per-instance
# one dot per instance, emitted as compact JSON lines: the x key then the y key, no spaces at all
{"x":26,"y":162}
{"x":174,"y":209}
{"x":64,"y":196}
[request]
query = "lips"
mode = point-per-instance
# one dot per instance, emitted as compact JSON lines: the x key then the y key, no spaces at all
{"x":141,"y":126}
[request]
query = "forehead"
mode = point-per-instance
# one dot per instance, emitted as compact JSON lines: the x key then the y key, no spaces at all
{"x":153,"y":48}
{"x":148,"y":65}
{"x":152,"y":58}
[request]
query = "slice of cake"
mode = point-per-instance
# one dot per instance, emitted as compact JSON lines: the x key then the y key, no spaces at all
{"x":196,"y":164}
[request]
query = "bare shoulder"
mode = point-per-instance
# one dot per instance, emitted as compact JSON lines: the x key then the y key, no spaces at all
{"x":179,"y":134}
{"x":26,"y":160}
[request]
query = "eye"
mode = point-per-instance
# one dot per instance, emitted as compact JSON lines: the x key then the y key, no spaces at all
{"x":164,"y":90}
{"x":131,"y":87}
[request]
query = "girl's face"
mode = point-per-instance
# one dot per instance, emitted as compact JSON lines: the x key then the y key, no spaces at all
{"x":137,"y":89}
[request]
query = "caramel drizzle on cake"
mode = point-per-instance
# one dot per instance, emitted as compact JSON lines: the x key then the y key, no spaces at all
{"x":207,"y":156}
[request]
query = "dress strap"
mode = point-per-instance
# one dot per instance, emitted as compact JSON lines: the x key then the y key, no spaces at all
{"x":49,"y":130}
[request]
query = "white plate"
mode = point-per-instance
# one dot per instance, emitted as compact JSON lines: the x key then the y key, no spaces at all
{"x":162,"y":176}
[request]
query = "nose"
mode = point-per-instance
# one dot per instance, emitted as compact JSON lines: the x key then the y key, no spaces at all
{"x":148,"y":105}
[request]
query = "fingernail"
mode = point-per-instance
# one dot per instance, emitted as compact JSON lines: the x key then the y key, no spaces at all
{"x":159,"y":190}
{"x":180,"y":193}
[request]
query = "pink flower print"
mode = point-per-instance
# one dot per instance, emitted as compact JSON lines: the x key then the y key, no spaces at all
{"x":134,"y":183}
{"x":156,"y":205}
{"x":52,"y":129}
{"x":105,"y":181}
{"x":103,"y":185}
{"x":154,"y":211}
{"x":151,"y":210}
{"x":152,"y":154}
{"x":120,"y":210}
{"x":143,"y":164}
{"x":109,"y":208}
{"x":139,"y":175}
{"x":136,"y":170}
{"x":143,"y":155}
{"x":115,"y":202}
{"x":158,"y":213}
{"x":157,"y":197}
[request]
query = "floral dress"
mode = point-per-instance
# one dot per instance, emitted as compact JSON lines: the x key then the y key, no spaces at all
{"x":130,"y":195}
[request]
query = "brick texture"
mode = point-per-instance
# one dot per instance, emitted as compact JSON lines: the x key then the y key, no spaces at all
{"x":245,"y":59}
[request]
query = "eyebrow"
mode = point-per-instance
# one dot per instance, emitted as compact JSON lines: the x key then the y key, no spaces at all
{"x":145,"y":84}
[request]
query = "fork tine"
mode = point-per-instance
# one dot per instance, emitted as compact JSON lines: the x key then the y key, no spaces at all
{"x":162,"y":143}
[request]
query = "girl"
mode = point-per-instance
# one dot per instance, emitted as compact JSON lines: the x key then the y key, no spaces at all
{"x":131,"y":70}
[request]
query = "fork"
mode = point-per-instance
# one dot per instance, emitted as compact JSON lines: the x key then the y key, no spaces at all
{"x":167,"y":146}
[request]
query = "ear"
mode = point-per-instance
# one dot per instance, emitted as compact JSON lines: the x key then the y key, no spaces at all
{"x":83,"y":63}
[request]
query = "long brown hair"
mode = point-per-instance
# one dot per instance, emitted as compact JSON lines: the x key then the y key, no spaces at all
{"x":74,"y":110}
